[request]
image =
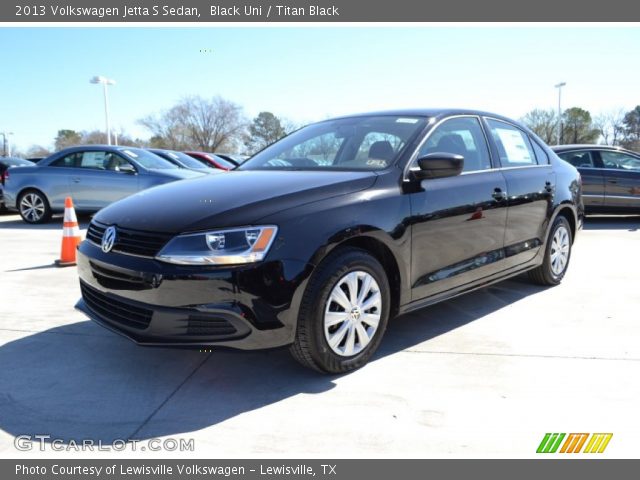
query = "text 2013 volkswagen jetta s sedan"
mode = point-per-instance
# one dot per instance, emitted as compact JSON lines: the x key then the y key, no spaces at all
{"x":320,"y":239}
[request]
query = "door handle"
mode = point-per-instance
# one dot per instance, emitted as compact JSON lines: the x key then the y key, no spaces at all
{"x":612,"y":180}
{"x":498,"y":194}
{"x":75,"y":179}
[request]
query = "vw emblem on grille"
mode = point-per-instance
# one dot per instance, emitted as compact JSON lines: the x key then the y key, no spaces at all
{"x":108,"y":239}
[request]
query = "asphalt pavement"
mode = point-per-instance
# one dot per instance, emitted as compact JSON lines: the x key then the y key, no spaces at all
{"x":483,"y":375}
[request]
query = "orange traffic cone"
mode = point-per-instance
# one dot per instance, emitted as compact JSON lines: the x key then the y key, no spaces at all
{"x":70,"y":235}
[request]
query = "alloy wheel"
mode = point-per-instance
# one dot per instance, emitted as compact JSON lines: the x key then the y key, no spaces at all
{"x":32,"y":207}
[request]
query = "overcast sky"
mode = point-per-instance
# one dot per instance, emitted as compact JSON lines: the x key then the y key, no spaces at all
{"x":306,"y":74}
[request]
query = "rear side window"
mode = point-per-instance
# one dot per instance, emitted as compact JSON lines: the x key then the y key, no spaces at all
{"x":541,"y":155}
{"x":578,"y":159}
{"x":514,"y":147}
{"x":460,"y":136}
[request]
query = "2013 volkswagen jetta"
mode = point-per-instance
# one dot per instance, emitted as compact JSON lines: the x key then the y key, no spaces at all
{"x":321,"y":238}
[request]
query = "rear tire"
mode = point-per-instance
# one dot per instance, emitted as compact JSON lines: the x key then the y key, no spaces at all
{"x":343,"y":314}
{"x":34,"y":207}
{"x":556,"y":256}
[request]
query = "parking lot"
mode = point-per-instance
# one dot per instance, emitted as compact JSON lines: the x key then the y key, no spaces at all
{"x":486,"y":374}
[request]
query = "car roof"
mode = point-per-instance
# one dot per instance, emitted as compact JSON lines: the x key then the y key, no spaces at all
{"x":588,"y":146}
{"x":426,"y":112}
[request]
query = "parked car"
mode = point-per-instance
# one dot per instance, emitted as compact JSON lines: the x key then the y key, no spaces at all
{"x":183,"y":160}
{"x":93,"y":175}
{"x":213,"y":160}
{"x":321,"y":238}
{"x":234,"y":158}
{"x":5,"y":164}
{"x":610,"y":176}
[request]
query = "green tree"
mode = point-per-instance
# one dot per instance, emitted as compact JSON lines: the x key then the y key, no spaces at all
{"x":578,"y":127}
{"x":265,"y":129}
{"x":67,"y":138}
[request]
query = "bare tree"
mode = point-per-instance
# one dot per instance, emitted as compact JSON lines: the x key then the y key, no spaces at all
{"x":544,"y":123}
{"x":36,"y":151}
{"x":610,"y":125}
{"x":212,"y":124}
{"x":168,"y":130}
{"x":198,"y":123}
{"x":97,"y":137}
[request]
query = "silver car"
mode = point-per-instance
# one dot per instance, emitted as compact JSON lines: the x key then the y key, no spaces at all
{"x":94,"y":176}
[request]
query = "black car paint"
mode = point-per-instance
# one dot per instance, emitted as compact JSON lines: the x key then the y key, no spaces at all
{"x":606,"y":190}
{"x":435,"y":238}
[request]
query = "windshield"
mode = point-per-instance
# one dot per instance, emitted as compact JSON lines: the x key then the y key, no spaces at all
{"x":223,"y":161}
{"x":147,"y":159}
{"x":186,"y":160}
{"x":356,"y":143}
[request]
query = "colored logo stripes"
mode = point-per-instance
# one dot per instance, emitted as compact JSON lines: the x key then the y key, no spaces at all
{"x":597,"y":442}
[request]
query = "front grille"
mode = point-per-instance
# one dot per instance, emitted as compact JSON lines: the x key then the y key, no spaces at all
{"x":115,"y":310}
{"x":201,"y":325}
{"x":135,"y":242}
{"x":115,"y":280}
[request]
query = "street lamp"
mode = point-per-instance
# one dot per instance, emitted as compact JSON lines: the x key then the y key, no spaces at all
{"x":559,"y":87}
{"x":104,"y":81}
{"x":6,"y":146}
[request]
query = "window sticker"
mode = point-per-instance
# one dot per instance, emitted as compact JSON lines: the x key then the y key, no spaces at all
{"x":514,"y":145}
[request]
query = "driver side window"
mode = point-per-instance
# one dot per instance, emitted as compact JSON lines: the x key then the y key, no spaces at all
{"x":460,"y":136}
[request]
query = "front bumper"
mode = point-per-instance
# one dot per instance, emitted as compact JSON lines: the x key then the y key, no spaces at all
{"x":153,"y":303}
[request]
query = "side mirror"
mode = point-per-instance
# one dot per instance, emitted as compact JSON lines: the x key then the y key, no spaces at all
{"x":438,"y":165}
{"x":127,"y":168}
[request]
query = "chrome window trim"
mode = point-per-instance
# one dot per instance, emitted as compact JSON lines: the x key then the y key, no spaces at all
{"x":623,"y":197}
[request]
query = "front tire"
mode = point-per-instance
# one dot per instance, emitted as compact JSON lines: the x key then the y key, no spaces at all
{"x":34,"y":207}
{"x":556,"y":256}
{"x":344,"y":313}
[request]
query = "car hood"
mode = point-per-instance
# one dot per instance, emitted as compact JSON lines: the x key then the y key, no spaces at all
{"x":230,"y":199}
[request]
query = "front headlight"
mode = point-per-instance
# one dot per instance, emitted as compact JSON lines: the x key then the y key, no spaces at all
{"x":221,"y":247}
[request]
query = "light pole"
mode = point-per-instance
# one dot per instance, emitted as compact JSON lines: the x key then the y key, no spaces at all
{"x":104,"y":81}
{"x":6,"y":146}
{"x":559,"y":87}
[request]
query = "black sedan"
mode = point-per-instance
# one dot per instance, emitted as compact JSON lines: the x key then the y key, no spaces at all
{"x":321,"y":238}
{"x":610,"y":176}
